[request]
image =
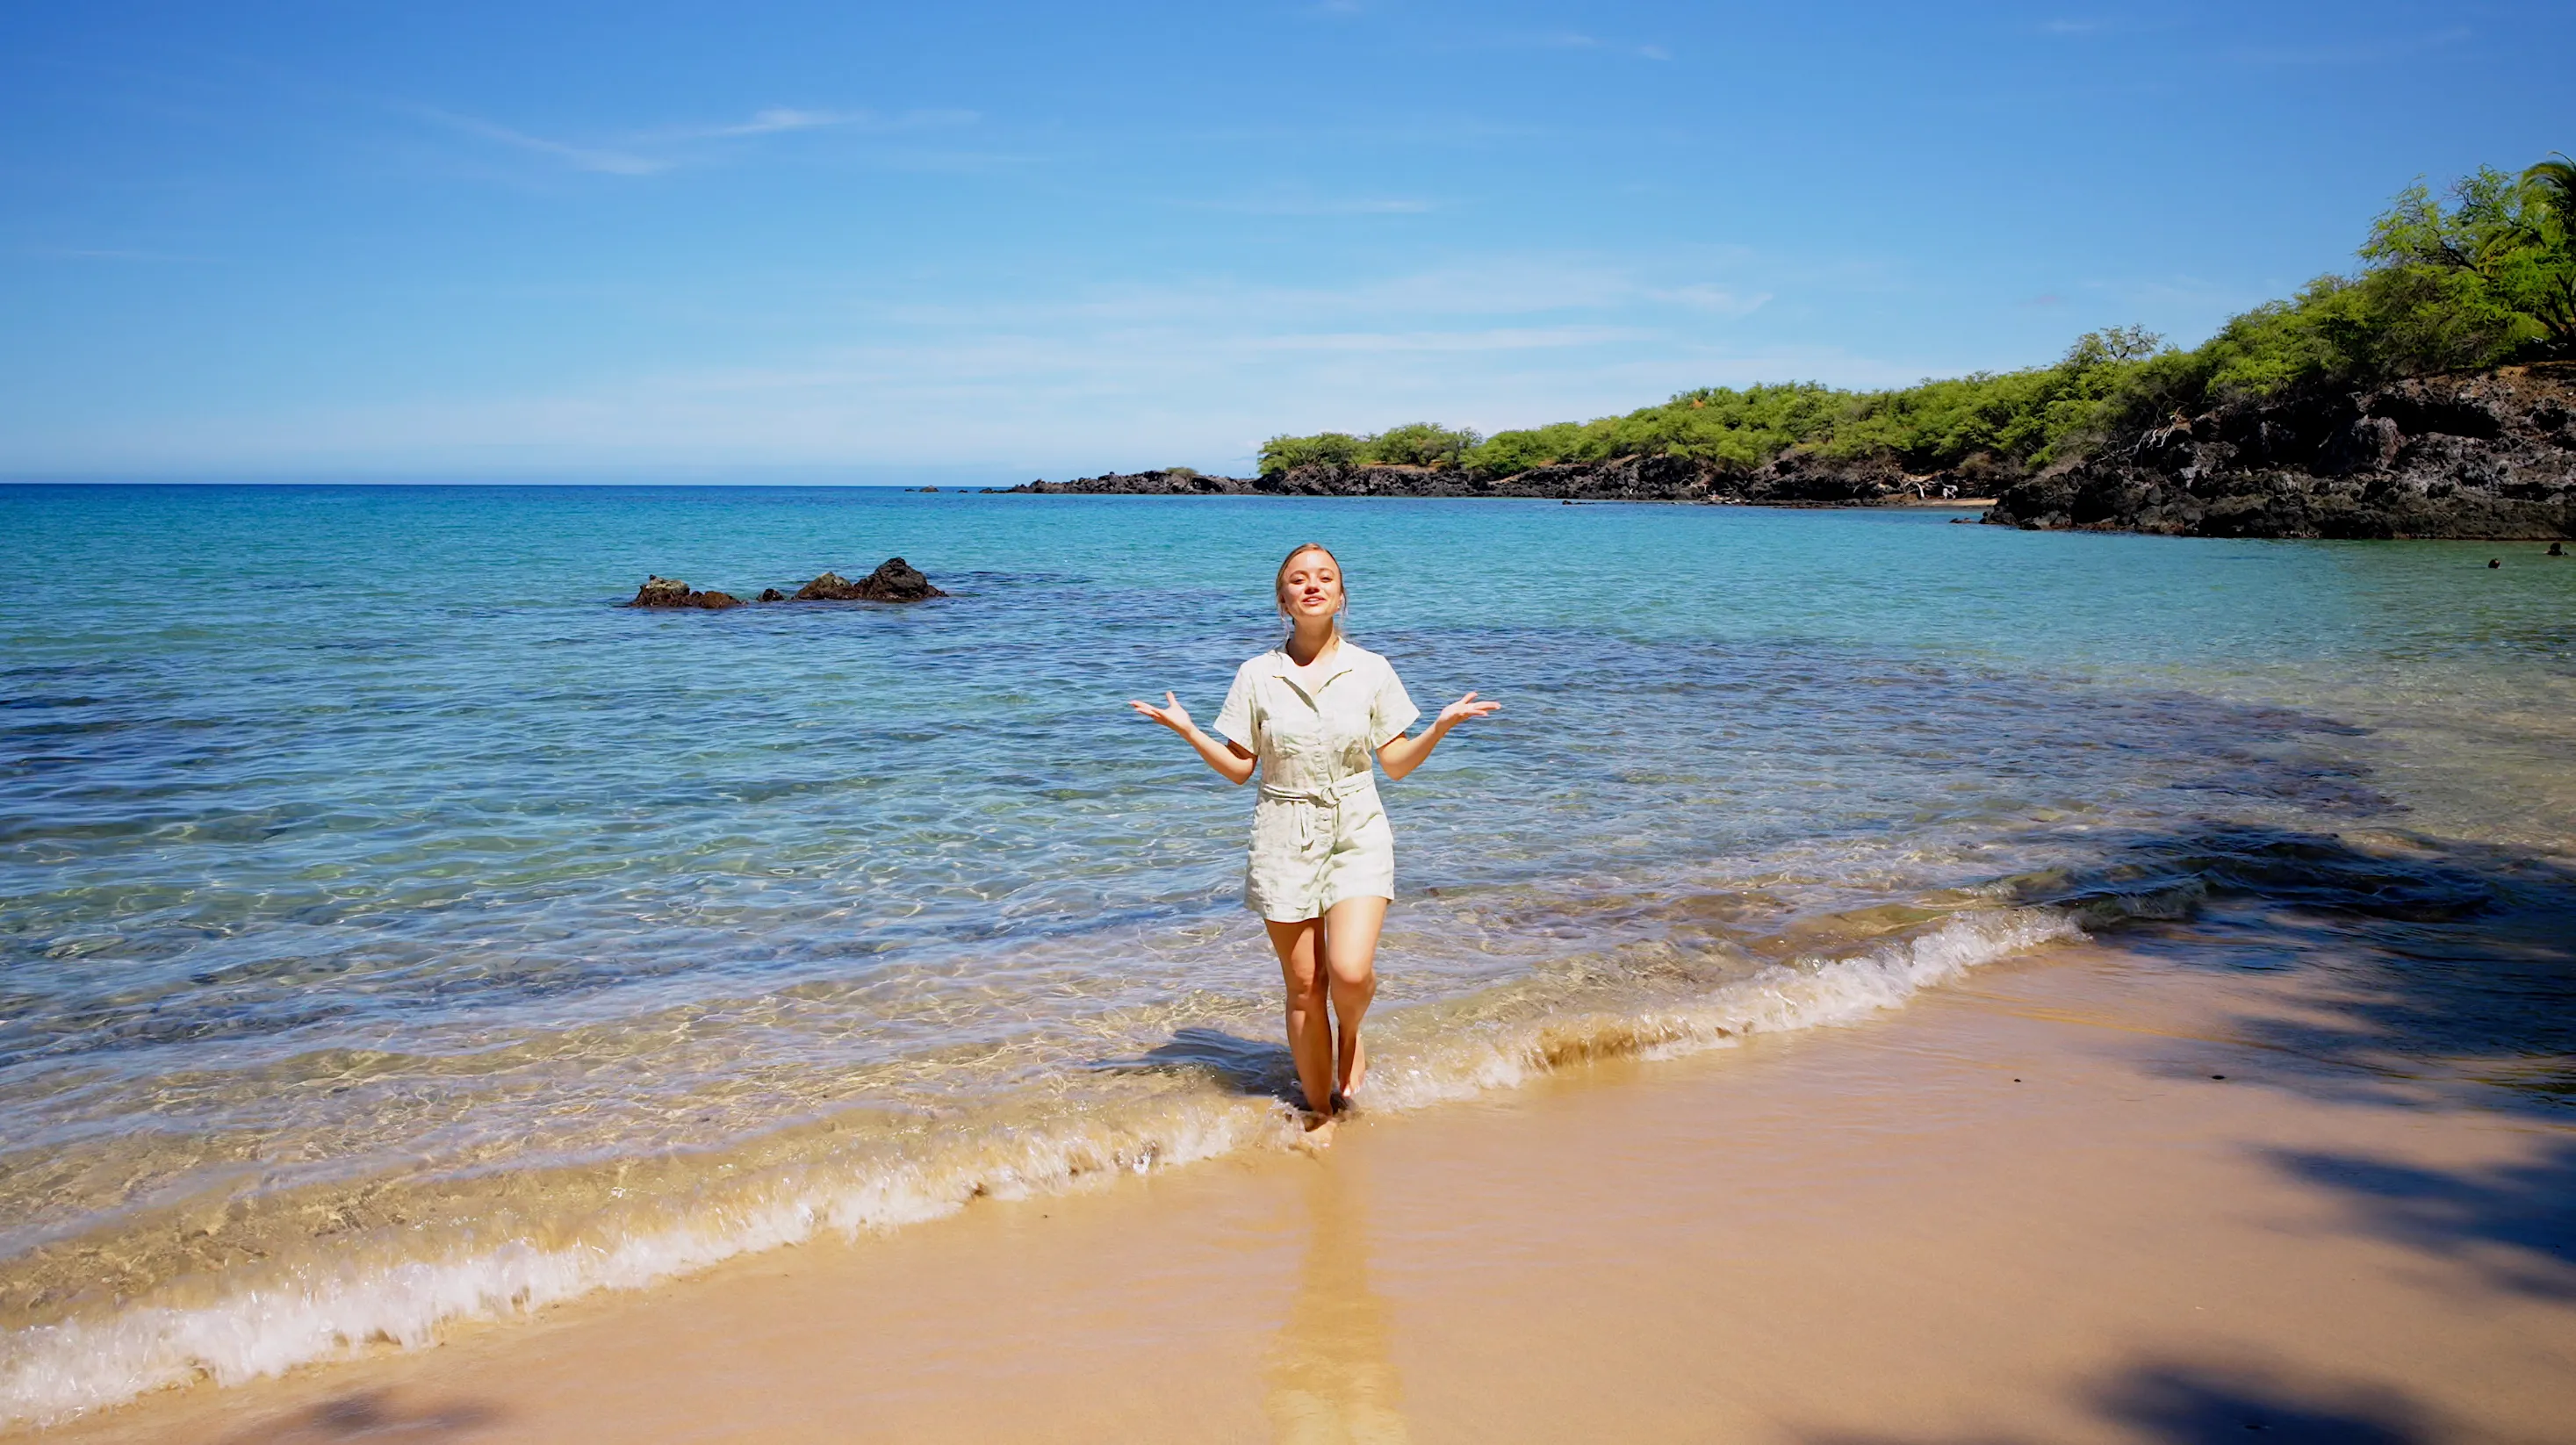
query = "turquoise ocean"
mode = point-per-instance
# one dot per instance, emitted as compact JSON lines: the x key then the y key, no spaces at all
{"x":395,"y":931}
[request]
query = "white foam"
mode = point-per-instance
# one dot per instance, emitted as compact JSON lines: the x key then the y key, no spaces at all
{"x":1805,"y":994}
{"x":51,"y":1372}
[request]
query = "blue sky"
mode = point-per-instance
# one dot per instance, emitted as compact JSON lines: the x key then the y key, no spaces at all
{"x":976,"y":242}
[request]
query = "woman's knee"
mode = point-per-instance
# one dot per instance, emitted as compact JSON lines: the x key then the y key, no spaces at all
{"x":1306,"y":979}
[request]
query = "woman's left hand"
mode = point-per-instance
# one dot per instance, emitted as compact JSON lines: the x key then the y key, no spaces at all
{"x":1463,"y":709}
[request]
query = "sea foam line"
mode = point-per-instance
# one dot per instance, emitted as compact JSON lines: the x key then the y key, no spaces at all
{"x":1805,"y":994}
{"x":49,"y":1373}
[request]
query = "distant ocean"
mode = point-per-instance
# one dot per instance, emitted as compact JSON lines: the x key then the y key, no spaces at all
{"x":394,"y":930}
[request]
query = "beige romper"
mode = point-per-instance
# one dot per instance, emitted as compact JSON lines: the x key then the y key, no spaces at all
{"x":1318,"y":833}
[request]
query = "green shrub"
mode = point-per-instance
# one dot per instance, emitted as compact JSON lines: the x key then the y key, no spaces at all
{"x":2486,"y":276}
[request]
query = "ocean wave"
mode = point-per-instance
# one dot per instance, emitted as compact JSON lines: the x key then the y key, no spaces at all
{"x":1805,"y":993}
{"x":324,"y":1308}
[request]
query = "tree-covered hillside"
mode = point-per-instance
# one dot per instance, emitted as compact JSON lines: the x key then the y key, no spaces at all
{"x":2481,"y":275}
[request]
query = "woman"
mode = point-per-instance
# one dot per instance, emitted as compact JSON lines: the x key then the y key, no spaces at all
{"x":1308,"y":714}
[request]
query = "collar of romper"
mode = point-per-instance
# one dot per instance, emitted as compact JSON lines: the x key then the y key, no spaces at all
{"x":1287,"y":672}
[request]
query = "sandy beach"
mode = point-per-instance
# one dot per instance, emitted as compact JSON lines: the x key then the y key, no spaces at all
{"x":2084,"y":1196}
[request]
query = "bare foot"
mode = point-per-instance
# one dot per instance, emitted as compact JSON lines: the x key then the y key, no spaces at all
{"x":1315,"y":1133}
{"x":1354,"y":1074}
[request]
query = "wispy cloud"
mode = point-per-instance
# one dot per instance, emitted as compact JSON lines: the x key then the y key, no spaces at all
{"x":650,"y":152}
{"x":1703,"y":297}
{"x":1497,"y":338}
{"x":774,"y":120}
{"x":778,"y":119}
{"x":1291,"y":203}
{"x":581,"y":158}
{"x":1076,"y":405}
{"x":2173,"y":292}
{"x":1505,"y":286}
{"x":1578,"y":40}
{"x":1131,"y":374}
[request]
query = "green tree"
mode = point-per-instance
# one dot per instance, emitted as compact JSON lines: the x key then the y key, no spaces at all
{"x":2502,"y":246}
{"x":1419,"y":444}
{"x":2549,"y":236}
{"x":1332,"y":448}
{"x":2482,"y":274}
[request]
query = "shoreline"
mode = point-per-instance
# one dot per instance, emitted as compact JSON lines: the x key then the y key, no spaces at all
{"x":2020,"y":1208}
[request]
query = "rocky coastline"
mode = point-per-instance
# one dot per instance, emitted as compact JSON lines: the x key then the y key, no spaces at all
{"x":2487,"y":455}
{"x":1792,"y":479}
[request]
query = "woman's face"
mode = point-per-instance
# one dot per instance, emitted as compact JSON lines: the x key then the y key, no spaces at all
{"x":1311,"y":587}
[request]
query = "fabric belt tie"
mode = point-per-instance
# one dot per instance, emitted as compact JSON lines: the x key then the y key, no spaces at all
{"x":1320,"y":818}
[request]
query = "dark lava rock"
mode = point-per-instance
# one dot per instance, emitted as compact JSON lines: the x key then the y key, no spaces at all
{"x":895,"y":580}
{"x":1797,"y":476}
{"x":672,"y":592}
{"x":1333,"y":480}
{"x":2486,"y":455}
{"x":1160,"y":482}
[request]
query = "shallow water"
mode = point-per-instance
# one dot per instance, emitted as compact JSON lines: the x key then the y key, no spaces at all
{"x":397,"y":930}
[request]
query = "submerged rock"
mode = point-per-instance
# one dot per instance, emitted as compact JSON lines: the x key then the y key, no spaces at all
{"x":672,"y":592}
{"x":772,"y":594}
{"x":2486,"y":455}
{"x":895,"y":580}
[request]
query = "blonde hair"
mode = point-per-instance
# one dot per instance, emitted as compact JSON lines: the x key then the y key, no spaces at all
{"x":1279,"y":585}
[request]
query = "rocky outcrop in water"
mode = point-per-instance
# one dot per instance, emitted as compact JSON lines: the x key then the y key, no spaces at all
{"x":1158,"y":482}
{"x":2487,"y":455}
{"x":895,"y":580}
{"x":672,"y":592}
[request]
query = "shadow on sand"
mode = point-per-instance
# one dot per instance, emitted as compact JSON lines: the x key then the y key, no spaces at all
{"x":2513,"y":1223}
{"x":2429,"y":969}
{"x":2423,"y":961}
{"x":369,"y":1414}
{"x":2192,"y":1405}
{"x":1263,"y":1069}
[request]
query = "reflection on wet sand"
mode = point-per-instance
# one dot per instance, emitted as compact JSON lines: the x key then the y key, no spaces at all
{"x":1331,"y":1374}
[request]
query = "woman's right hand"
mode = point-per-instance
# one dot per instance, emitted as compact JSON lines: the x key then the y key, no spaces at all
{"x":1171,"y":714}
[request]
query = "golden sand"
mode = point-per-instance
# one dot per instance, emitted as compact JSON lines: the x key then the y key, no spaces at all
{"x":2021,"y":1209}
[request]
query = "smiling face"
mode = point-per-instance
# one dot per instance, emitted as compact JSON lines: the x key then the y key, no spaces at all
{"x":1310,"y":586}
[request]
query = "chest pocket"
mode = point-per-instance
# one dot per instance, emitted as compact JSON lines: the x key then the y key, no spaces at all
{"x":1325,"y":730}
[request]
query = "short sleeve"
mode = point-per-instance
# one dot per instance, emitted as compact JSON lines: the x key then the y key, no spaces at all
{"x":1392,"y":710}
{"x":1235,"y":720}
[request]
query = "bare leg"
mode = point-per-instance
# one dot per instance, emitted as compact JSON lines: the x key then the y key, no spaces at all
{"x":1300,"y":947}
{"x":1350,"y":959}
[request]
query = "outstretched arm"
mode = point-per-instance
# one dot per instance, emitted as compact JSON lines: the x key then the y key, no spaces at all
{"x":1229,"y":759}
{"x":1400,"y":755}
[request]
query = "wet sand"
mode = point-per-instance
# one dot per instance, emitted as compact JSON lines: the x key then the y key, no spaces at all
{"x":2020,"y":1209}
